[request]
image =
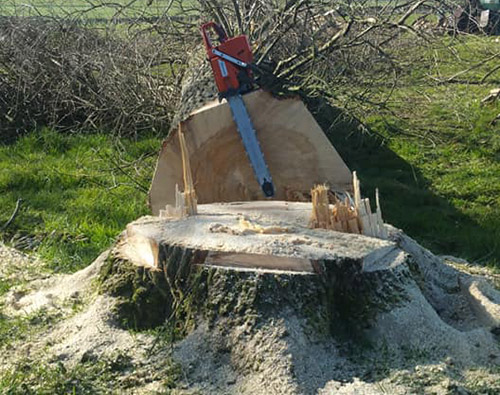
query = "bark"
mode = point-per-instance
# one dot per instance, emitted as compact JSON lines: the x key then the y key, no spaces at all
{"x":338,"y":295}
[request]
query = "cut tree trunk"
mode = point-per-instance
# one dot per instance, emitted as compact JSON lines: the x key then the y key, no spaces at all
{"x":215,"y":258}
{"x":252,"y":285}
{"x":296,"y":150}
{"x":255,"y":254}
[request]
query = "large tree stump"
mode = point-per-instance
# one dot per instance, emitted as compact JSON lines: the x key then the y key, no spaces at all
{"x":262,"y":301}
{"x":251,"y":262}
{"x":262,"y":249}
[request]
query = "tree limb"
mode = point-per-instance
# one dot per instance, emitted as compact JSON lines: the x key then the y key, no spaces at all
{"x":328,"y":45}
{"x":14,"y":214}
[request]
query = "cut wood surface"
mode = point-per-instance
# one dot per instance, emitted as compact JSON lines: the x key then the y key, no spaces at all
{"x":189,"y":191}
{"x":258,"y":261}
{"x":297,"y":152}
{"x":271,"y":235}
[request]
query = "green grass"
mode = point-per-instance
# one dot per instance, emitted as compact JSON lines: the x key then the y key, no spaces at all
{"x":22,"y":328}
{"x":89,"y":9}
{"x":32,"y":377}
{"x":112,"y":374}
{"x":4,"y":286}
{"x":75,"y":200}
{"x":439,"y":167}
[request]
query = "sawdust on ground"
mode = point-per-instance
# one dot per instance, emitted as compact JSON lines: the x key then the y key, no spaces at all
{"x":435,"y":342}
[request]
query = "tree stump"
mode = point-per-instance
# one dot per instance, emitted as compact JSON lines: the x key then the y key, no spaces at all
{"x":251,"y":284}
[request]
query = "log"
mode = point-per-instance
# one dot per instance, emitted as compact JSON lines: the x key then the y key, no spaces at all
{"x":296,"y":150}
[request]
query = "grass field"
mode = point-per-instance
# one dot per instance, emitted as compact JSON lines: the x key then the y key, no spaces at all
{"x":75,"y":195}
{"x":89,"y":9}
{"x":439,"y":168}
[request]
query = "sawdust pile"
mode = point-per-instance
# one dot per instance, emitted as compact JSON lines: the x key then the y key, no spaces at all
{"x":442,"y":336}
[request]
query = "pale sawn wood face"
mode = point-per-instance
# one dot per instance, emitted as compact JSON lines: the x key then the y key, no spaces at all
{"x":298,"y":154}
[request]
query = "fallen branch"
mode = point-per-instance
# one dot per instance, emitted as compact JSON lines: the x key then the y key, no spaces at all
{"x":410,"y":12}
{"x":328,"y":45}
{"x":474,"y":66}
{"x":489,"y":73}
{"x":14,"y":214}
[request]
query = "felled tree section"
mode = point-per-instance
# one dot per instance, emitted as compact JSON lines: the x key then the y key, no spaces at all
{"x":297,"y":152}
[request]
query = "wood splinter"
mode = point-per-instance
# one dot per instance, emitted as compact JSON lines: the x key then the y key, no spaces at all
{"x":191,"y":203}
{"x":371,"y":224}
{"x":186,"y":203}
{"x":347,"y":216}
{"x":321,"y":217}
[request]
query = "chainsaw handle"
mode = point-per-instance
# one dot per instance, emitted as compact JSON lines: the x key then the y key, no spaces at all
{"x":206,"y":36}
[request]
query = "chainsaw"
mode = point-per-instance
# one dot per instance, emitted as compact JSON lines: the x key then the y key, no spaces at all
{"x":231,"y":61}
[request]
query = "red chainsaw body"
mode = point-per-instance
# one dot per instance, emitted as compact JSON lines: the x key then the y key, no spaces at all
{"x":225,"y":72}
